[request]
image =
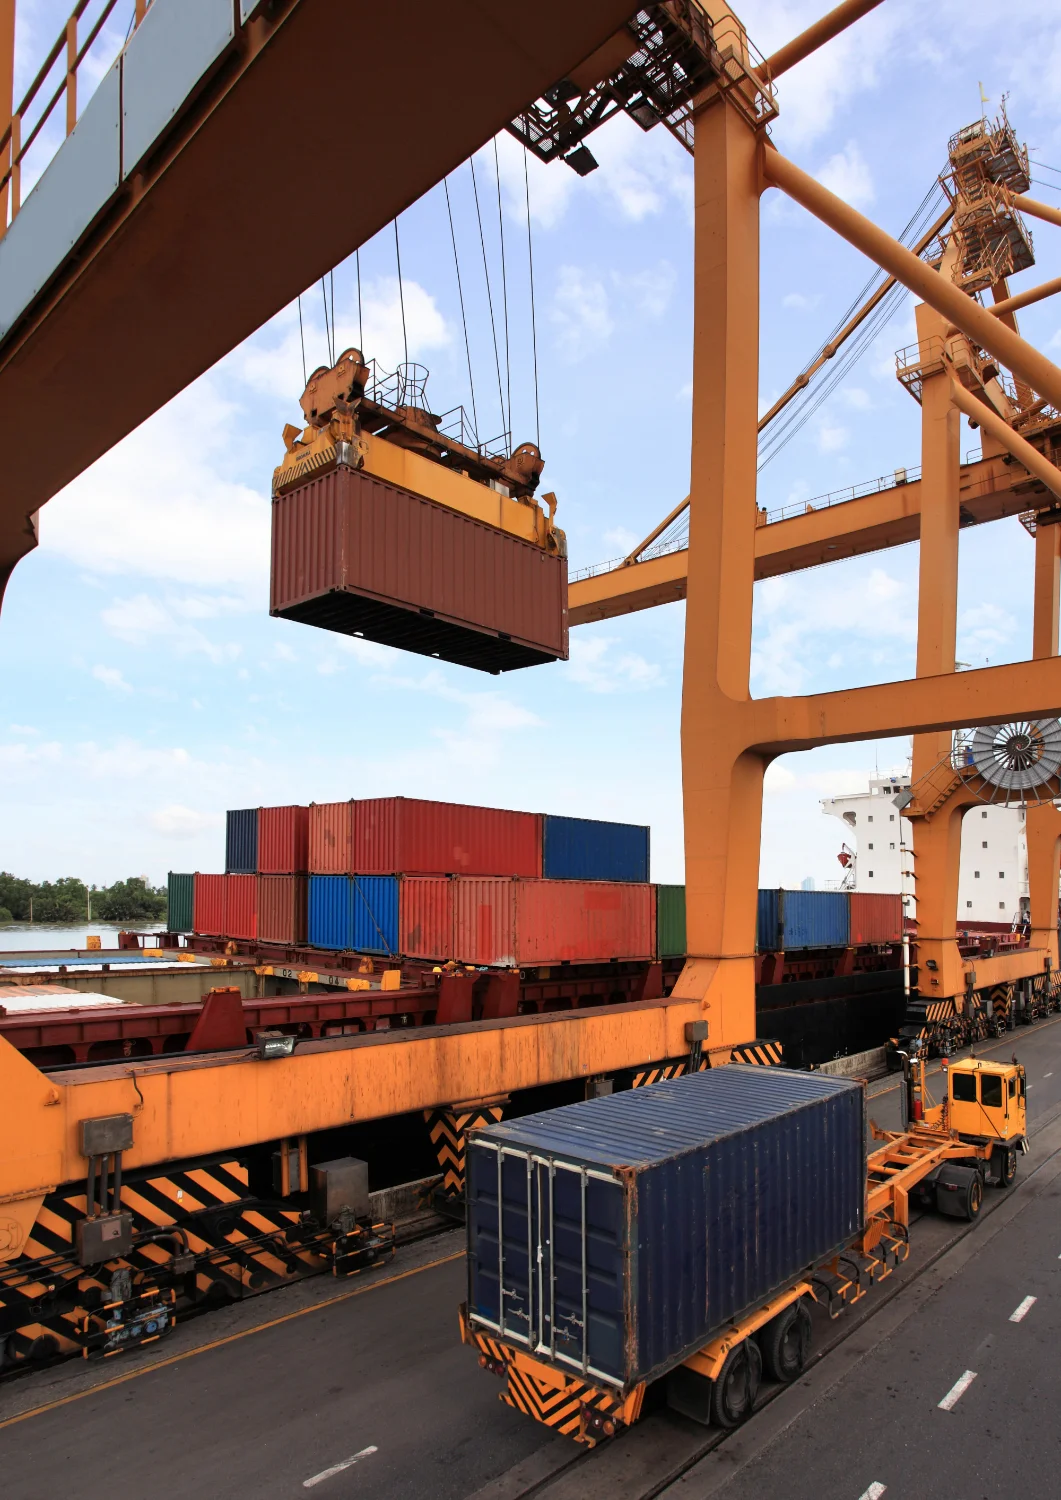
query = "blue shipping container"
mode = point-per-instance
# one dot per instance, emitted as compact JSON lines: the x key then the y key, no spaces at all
{"x":585,"y":849}
{"x":802,"y":919}
{"x":688,"y":1204}
{"x":241,"y":841}
{"x":375,"y":913}
{"x":330,"y":917}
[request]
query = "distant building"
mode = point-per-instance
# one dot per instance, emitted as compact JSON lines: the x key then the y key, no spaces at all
{"x":807,"y":883}
{"x":993,"y":875}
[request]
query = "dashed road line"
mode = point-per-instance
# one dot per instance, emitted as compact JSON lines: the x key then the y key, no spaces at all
{"x":1046,"y":1076}
{"x":957,"y":1391}
{"x":875,"y":1491}
{"x":307,"y":1484}
{"x":1019,"y":1312}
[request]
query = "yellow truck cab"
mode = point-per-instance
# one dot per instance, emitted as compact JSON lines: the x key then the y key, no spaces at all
{"x":987,"y":1102}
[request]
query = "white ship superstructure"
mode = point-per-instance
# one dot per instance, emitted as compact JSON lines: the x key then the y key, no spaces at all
{"x":993,"y":878}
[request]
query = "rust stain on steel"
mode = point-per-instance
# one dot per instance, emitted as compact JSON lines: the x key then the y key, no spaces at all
{"x":357,"y":555}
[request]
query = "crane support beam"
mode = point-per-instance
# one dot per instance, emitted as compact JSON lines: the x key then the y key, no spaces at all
{"x":1025,"y":299}
{"x":985,"y":330}
{"x":979,"y":413}
{"x":224,"y":222}
{"x":816,"y":36}
{"x":1044,"y":211}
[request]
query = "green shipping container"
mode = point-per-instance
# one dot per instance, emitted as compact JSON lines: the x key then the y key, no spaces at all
{"x":181,"y":889}
{"x":670,"y":921}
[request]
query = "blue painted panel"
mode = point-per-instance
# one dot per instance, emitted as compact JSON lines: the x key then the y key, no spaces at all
{"x":241,"y":841}
{"x":169,"y":52}
{"x":585,"y":849}
{"x":768,"y":922}
{"x":375,"y":913}
{"x":330,"y":912}
{"x":815,"y":919}
{"x":709,"y":1194}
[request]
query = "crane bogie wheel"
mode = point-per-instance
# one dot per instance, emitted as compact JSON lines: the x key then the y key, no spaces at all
{"x":1018,"y":757}
{"x":733,"y":1393}
{"x":785,"y":1344}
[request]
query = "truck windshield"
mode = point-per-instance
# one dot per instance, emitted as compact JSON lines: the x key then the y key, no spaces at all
{"x":990,"y":1091}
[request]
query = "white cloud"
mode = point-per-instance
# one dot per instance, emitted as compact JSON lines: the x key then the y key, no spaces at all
{"x":649,"y":291}
{"x":832,"y":438}
{"x":983,"y":631}
{"x":178,"y":822}
{"x":621,"y":538}
{"x":580,"y":313}
{"x":144,"y":620}
{"x":111,"y":678}
{"x":594,"y":666}
{"x":23,"y":729}
{"x":800,"y":300}
{"x":847,"y":175}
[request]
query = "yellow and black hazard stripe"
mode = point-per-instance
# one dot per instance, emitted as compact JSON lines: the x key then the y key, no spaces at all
{"x":762,"y":1054}
{"x":660,"y":1071}
{"x":448,"y":1129}
{"x":940,"y":1010}
{"x":767,"y":1054}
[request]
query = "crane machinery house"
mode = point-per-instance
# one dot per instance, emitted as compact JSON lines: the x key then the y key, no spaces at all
{"x":397,"y":525}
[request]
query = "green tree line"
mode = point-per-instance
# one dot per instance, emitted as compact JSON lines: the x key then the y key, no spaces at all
{"x":70,"y":901}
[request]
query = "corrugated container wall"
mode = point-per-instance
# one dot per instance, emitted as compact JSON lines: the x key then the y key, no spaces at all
{"x":508,"y":923}
{"x":484,"y":921}
{"x":586,"y":849}
{"x":708,"y":1195}
{"x":374,"y":916}
{"x":802,"y":919}
{"x":180,"y":903}
{"x":404,"y":835}
{"x":282,"y":908}
{"x":670,"y":921}
{"x":283,"y":840}
{"x":330,"y":912}
{"x":209,"y":905}
{"x":241,"y":907}
{"x":875,"y":918}
{"x":331,"y":838}
{"x":355,"y":554}
{"x":241,"y":841}
{"x":425,"y":917}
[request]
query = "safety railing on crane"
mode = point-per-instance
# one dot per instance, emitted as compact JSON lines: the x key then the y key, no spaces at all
{"x":60,"y":73}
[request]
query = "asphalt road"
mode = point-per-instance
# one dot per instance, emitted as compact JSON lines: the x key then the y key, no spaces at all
{"x":226,"y":1408}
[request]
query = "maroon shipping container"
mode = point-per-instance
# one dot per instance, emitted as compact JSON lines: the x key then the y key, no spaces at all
{"x":516,"y":923}
{"x":241,"y":907}
{"x":425,"y":917}
{"x":208,"y":905}
{"x":424,"y":838}
{"x":283,"y":840}
{"x":875,"y":919}
{"x":282,"y":908}
{"x":357,"y":555}
{"x":331,"y":838}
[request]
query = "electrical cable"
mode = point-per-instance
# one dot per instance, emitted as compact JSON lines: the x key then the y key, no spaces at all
{"x":534,"y":324}
{"x":504,"y":293}
{"x":401,"y":294}
{"x":302,"y":339}
{"x":489,"y":294}
{"x":1046,"y":167}
{"x":464,"y":319}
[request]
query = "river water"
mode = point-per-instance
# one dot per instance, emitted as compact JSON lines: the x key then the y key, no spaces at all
{"x":34,"y":936}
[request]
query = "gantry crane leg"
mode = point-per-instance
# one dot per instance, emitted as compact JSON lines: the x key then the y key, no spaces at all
{"x":1043,"y":822}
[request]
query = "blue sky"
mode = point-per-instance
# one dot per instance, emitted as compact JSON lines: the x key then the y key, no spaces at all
{"x":146,"y":689}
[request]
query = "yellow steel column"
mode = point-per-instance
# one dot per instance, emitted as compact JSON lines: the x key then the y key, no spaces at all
{"x":722,"y":783}
{"x":1043,"y":824}
{"x":937,"y":842}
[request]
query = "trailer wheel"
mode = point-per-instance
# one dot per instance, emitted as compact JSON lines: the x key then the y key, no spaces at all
{"x":1007,"y":1166}
{"x":737,"y":1386}
{"x":785,"y":1343}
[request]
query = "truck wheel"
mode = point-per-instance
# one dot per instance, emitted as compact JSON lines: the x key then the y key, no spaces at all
{"x":974,"y":1197}
{"x":785,"y":1343}
{"x":737,"y":1386}
{"x":1007,"y":1166}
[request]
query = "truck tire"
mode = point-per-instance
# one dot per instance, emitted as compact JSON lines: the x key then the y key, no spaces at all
{"x":959,"y":1190}
{"x":733,"y":1393}
{"x":974,"y":1197}
{"x":785,"y":1343}
{"x":1006,"y":1165}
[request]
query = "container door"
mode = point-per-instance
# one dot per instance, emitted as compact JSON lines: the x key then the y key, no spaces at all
{"x":502,"y":1256}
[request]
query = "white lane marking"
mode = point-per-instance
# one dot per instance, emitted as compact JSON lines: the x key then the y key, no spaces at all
{"x":1025,"y":1307}
{"x":307,"y":1484}
{"x":875,"y":1491}
{"x":957,"y":1391}
{"x":1048,"y":1075}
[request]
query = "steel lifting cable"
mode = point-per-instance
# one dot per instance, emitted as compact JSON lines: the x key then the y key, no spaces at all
{"x":327,"y":330}
{"x":302,"y":340}
{"x":534,"y":322}
{"x":401,"y":296}
{"x":360,"y":324}
{"x":464,"y":319}
{"x":489,"y":294}
{"x":504,"y":291}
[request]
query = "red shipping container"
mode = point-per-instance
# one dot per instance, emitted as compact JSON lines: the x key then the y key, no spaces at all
{"x":208,"y":905}
{"x":331,"y":839}
{"x":425,"y":917}
{"x":282,"y":908}
{"x":283,"y":840}
{"x":407,"y":836}
{"x":516,"y":923}
{"x":875,"y":919}
{"x":241,"y":907}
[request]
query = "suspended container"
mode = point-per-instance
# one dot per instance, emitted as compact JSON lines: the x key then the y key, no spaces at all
{"x":330,"y":912}
{"x":588,"y":849}
{"x":407,"y":835}
{"x":688,"y":1204}
{"x":180,"y":902}
{"x":209,"y":905}
{"x":788,"y":920}
{"x":283,"y":840}
{"x":361,"y":556}
{"x":425,"y":917}
{"x":282,"y":909}
{"x":241,"y":841}
{"x":241,"y":907}
{"x":331,"y":838}
{"x":670,"y":921}
{"x":875,"y":919}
